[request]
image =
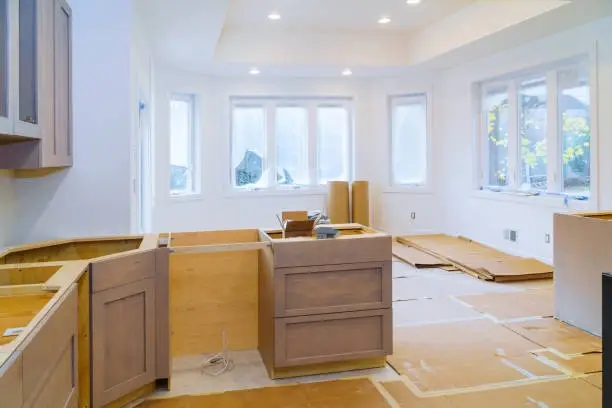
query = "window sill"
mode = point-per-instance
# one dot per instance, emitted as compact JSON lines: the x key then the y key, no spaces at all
{"x":398,"y":189}
{"x":274,"y":192}
{"x":180,"y":198}
{"x":551,"y":201}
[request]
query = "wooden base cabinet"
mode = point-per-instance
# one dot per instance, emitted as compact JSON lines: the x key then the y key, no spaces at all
{"x":330,"y":311}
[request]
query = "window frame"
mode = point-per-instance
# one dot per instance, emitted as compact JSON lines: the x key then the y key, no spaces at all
{"x":269,"y":106}
{"x":427,"y":185}
{"x":193,"y":146}
{"x":553,"y":195}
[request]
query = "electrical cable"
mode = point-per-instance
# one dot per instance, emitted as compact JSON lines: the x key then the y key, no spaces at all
{"x":221,"y":360}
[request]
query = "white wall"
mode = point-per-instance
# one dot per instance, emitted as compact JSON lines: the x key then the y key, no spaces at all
{"x":220,"y":207}
{"x":93,"y":197}
{"x":7,"y":209}
{"x":484,"y":219}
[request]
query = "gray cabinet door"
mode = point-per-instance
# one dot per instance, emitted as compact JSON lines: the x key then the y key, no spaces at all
{"x":123,"y":340}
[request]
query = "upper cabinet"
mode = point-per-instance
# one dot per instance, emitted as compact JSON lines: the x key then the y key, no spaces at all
{"x":36,"y":64}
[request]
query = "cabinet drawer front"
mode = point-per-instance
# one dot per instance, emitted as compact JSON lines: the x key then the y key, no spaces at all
{"x":49,"y":354}
{"x":332,"y":288}
{"x":117,"y":271}
{"x":332,"y":337}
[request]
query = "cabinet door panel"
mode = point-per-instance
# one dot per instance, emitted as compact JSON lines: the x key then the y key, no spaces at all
{"x":11,"y":373}
{"x":123,"y":340}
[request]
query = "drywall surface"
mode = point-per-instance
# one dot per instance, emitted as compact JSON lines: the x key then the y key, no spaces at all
{"x":219,"y":206}
{"x":7,"y":209}
{"x":483,"y":217}
{"x":93,"y":197}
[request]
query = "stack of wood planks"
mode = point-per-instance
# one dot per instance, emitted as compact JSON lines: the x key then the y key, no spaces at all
{"x":470,"y":257}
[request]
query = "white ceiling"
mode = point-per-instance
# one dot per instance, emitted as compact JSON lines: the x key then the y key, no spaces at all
{"x":341,"y":14}
{"x":322,"y":37}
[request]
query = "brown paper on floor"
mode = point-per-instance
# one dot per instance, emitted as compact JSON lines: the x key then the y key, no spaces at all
{"x":358,"y":393}
{"x":478,"y":352}
{"x":416,"y":257}
{"x":513,"y":305}
{"x":360,"y":202}
{"x":573,"y":393}
{"x":595,"y":380}
{"x":581,"y":364}
{"x":479,"y":260}
{"x":338,"y":202}
{"x":405,"y":398}
{"x":551,"y":333}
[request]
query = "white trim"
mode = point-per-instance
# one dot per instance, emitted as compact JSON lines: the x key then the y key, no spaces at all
{"x":551,"y":201}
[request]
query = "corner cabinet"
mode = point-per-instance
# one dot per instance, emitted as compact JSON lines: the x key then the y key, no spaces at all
{"x":35,"y":84}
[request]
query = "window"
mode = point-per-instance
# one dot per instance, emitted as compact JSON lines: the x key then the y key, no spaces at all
{"x":287,"y":143}
{"x":536,"y":132}
{"x":409,"y":139}
{"x":182,"y":145}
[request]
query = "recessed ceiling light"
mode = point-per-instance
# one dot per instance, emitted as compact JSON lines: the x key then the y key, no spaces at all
{"x":384,"y":20}
{"x":347,"y":72}
{"x":413,"y":2}
{"x":254,"y":71}
{"x":274,"y":16}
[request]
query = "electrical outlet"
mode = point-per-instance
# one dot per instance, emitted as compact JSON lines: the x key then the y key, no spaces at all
{"x":511,"y":235}
{"x":413,"y":215}
{"x":547,"y":238}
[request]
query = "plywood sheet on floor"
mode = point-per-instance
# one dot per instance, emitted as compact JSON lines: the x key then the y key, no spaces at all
{"x":551,"y":333}
{"x":416,"y":257}
{"x":357,"y":393}
{"x":504,"y":306}
{"x":452,"y":284}
{"x":446,"y":356}
{"x":428,"y":311}
{"x":403,"y":270}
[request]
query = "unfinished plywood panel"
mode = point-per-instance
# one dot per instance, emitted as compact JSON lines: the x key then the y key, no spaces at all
{"x":478,"y":352}
{"x":416,"y":257}
{"x":554,"y":334}
{"x":581,"y":255}
{"x":211,"y":294}
{"x":17,"y":311}
{"x":182,"y":239}
{"x":359,"y":393}
{"x":70,"y":251}
{"x":27,"y":276}
{"x":513,"y":305}
{"x":595,"y":380}
{"x":405,"y":398}
{"x":479,"y":260}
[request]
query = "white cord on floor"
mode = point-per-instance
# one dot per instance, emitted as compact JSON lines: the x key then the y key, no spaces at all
{"x":220,"y":359}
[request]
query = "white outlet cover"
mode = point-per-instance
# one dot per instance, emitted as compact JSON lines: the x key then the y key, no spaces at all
{"x":13,"y":331}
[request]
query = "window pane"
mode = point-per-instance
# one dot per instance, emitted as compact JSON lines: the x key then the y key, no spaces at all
{"x":497,"y":115}
{"x":532,"y":126}
{"x":575,"y":129}
{"x":181,"y":146}
{"x":333,"y":144}
{"x":292,"y":146}
{"x":409,"y":141}
{"x":249,"y":147}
